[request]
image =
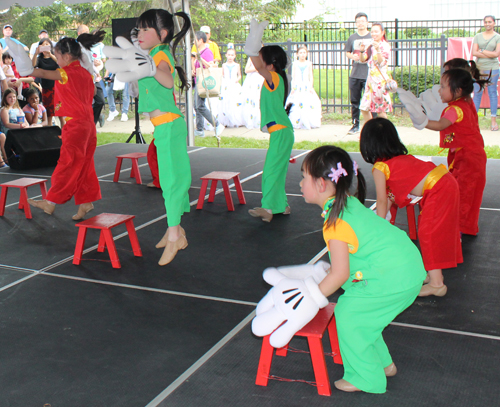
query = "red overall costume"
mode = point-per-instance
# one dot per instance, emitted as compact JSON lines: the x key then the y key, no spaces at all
{"x":75,"y":172}
{"x":466,"y":159}
{"x":153,"y":163}
{"x":438,"y":223}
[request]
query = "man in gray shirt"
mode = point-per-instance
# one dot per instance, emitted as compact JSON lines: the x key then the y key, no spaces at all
{"x":359,"y":72}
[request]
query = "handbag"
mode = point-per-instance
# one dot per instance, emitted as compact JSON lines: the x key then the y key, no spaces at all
{"x":208,"y":82}
{"x":390,"y":85}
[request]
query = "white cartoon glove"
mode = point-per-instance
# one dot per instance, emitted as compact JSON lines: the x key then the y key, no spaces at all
{"x":295,"y":301}
{"x":20,"y":57}
{"x":128,"y":62}
{"x":432,"y":103}
{"x":133,"y":36}
{"x":317,"y":271}
{"x":414,"y":108}
{"x":253,"y":43}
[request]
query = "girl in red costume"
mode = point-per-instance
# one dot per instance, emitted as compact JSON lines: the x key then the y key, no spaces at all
{"x":459,"y":132}
{"x":397,"y":175}
{"x":75,"y":173}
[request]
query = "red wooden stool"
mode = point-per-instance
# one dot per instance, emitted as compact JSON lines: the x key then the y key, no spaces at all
{"x":134,"y":172}
{"x":313,"y":331}
{"x":224,"y":177}
{"x":410,"y":215}
{"x":105,"y":222}
{"x":22,"y":184}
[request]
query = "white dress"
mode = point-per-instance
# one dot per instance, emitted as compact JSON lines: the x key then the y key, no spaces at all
{"x":230,"y":102}
{"x":306,"y":109}
{"x":250,"y":99}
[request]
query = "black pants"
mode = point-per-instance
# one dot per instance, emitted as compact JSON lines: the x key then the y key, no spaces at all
{"x":356,"y":87}
{"x":98,"y":102}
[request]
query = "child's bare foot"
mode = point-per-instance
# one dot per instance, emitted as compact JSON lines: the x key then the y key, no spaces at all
{"x":45,"y":205}
{"x":83,"y":209}
{"x":428,"y":289}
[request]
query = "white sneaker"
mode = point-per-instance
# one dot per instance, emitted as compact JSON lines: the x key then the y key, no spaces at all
{"x":124,"y":117}
{"x":112,"y":115}
{"x":198,"y":133}
{"x":219,"y":129}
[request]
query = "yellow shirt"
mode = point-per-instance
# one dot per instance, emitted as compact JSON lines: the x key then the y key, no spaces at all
{"x":212,"y":46}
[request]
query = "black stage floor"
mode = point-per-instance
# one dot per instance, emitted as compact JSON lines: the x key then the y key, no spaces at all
{"x":179,"y":335}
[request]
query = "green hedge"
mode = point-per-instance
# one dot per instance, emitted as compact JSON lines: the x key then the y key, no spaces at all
{"x":416,"y":79}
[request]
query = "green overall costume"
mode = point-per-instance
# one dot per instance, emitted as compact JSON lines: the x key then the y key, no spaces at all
{"x":386,"y":274}
{"x":275,"y":121}
{"x":170,"y":139}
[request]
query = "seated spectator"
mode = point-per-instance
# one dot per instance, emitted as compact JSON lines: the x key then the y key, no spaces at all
{"x":3,"y":78}
{"x":36,"y":114}
{"x":9,"y":74}
{"x":3,"y":155}
{"x":11,"y":114}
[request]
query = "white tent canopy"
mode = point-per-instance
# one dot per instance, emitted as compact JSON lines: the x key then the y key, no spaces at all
{"x":41,"y":3}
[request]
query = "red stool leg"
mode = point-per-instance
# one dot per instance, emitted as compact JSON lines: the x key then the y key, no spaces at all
{"x":43,"y":189}
{"x":110,"y":243}
{"x":227,"y":193}
{"x":134,"y":241}
{"x":203,"y":191}
{"x":412,"y":225}
{"x":282,"y":351}
{"x":80,"y":241}
{"x":101,"y":246}
{"x":319,"y":366}
{"x":334,"y":341}
{"x":23,"y":203}
{"x":239,"y":190}
{"x":213,"y":188}
{"x":118,"y":169}
{"x":265,"y":360}
{"x":394,"y":212}
{"x":3,"y":200}
{"x":135,"y":170}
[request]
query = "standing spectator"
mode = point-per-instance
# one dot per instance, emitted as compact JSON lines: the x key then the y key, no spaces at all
{"x":42,"y":35}
{"x":110,"y":85}
{"x":206,"y":57}
{"x":486,"y":48}
{"x":211,"y":45}
{"x":359,"y":71}
{"x":7,"y":33}
{"x":98,"y":58}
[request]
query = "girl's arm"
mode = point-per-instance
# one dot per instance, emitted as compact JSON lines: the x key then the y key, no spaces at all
{"x":262,"y":70}
{"x":37,"y":85}
{"x":238,"y":72}
{"x":164,"y":76}
{"x":339,"y":271}
{"x":44,"y":119}
{"x":44,"y":74}
{"x":31,"y":118}
{"x":34,"y":59}
{"x":442,"y":124}
{"x":381,"y":189}
{"x":5,"y":120}
{"x":249,"y":66}
{"x":493,"y":54}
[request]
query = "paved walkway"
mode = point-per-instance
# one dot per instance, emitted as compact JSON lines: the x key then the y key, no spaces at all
{"x":327,"y":132}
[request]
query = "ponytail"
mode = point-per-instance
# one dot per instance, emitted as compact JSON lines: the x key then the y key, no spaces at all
{"x":276,"y":56}
{"x":177,"y":38}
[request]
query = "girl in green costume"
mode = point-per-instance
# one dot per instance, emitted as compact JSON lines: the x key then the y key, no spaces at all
{"x":377,"y":265}
{"x":271,"y":61}
{"x":155,"y":31}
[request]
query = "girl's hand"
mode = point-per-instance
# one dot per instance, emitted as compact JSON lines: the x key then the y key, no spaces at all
{"x":25,"y":124}
{"x":362,"y":47}
{"x":376,"y":45}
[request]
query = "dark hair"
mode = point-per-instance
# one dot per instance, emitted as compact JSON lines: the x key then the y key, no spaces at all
{"x":68,"y":45}
{"x":460,"y":79}
{"x":361,"y":15}
{"x":379,"y":140}
{"x":6,"y":55}
{"x":490,"y":16}
{"x":276,"y":56}
{"x":302,"y":47}
{"x":463,"y":64}
{"x":381,"y":29}
{"x":319,"y":164}
{"x":200,"y":35}
{"x":31,"y":91}
{"x":50,"y":43}
{"x":160,"y":19}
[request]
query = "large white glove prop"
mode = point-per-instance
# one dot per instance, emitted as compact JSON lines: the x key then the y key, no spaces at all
{"x":20,"y":57}
{"x":253,"y":43}
{"x":295,"y":301}
{"x":432,"y":103}
{"x":317,"y":271}
{"x":128,"y":62}
{"x":414,"y":108}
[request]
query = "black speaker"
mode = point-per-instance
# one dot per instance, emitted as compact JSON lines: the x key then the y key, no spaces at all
{"x":33,"y":147}
{"x":121,"y":27}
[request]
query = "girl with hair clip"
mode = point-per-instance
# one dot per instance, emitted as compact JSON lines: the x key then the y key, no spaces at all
{"x":377,"y":265}
{"x":230,"y":110}
{"x":152,"y":63}
{"x":271,"y":61}
{"x":74,"y":175}
{"x":398,"y":178}
{"x":306,"y":106}
{"x":459,"y":132}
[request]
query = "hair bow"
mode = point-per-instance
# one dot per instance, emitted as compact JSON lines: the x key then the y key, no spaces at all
{"x":336,"y":174}
{"x":355,"y":167}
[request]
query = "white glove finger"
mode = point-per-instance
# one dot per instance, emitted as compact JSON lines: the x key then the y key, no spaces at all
{"x":435,"y":92}
{"x":272,"y":276}
{"x":284,"y":334}
{"x":114,"y":52}
{"x":267,"y":322}
{"x":128,"y":76}
{"x":115,"y":65}
{"x":265,"y":304}
{"x":123,"y":43}
{"x":405,"y":96}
